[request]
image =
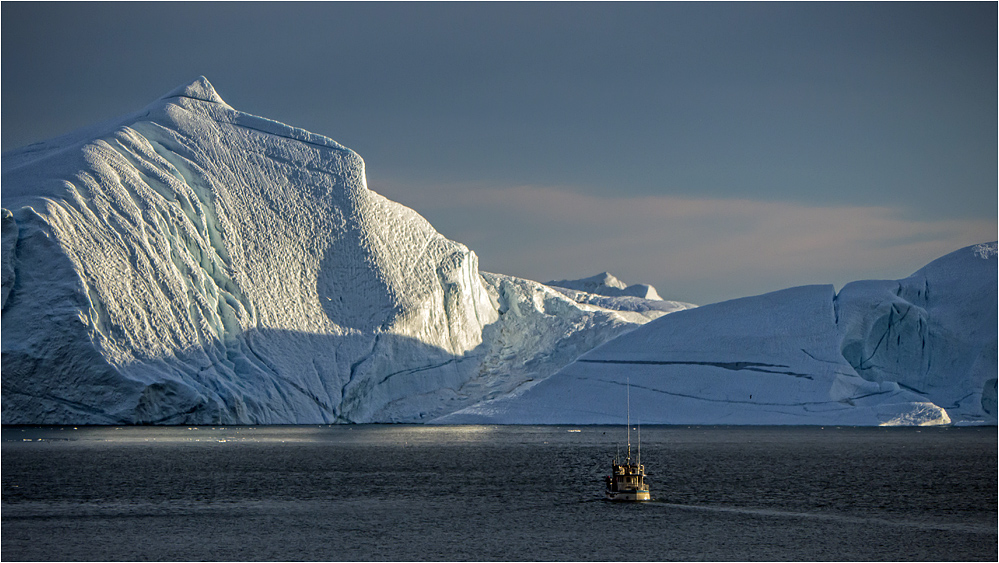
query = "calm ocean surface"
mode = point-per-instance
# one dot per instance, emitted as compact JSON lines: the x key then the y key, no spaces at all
{"x":486,"y":493}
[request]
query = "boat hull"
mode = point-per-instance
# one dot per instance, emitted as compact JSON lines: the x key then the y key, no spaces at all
{"x":629,"y":496}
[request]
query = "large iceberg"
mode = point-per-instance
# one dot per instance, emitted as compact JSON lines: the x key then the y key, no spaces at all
{"x":191,"y":263}
{"x":917,"y":351}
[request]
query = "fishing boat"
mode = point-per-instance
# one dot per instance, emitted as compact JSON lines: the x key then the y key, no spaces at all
{"x":626,"y":483}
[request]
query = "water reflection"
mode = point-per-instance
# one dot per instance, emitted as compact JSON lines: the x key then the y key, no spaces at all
{"x":386,"y":434}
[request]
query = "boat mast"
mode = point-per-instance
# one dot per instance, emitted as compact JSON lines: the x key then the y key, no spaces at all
{"x":629,"y":419}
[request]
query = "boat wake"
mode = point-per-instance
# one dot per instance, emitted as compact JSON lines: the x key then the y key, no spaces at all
{"x":832,"y":517}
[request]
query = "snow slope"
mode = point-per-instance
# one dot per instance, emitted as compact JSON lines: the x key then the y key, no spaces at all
{"x":190,"y":263}
{"x":916,"y":351}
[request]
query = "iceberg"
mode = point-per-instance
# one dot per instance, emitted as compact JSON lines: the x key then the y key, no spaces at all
{"x":640,"y":302}
{"x":191,"y":264}
{"x":918,"y":351}
{"x":933,"y":334}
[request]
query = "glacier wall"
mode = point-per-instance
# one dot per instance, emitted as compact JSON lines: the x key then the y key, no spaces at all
{"x":933,"y":333}
{"x":190,"y":263}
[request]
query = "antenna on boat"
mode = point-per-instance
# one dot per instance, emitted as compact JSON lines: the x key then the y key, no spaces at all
{"x":639,"y":442}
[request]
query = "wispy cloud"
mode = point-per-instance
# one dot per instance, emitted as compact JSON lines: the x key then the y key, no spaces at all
{"x":701,"y":250}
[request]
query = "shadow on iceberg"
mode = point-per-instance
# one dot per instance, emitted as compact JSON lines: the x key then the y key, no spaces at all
{"x":260,"y":377}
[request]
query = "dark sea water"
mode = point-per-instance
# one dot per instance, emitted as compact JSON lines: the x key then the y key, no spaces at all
{"x":414,"y":493}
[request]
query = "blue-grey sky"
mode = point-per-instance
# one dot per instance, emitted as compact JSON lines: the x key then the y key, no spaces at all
{"x":714,"y":150}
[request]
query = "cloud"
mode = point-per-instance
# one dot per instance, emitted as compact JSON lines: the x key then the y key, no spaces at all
{"x":701,"y":250}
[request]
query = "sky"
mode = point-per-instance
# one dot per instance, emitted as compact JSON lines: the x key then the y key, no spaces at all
{"x":713,"y":150}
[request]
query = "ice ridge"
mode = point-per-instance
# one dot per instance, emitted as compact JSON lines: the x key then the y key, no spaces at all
{"x":201,"y":89}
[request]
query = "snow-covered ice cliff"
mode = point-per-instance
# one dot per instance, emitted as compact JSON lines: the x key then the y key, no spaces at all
{"x":191,"y":263}
{"x":921,"y":350}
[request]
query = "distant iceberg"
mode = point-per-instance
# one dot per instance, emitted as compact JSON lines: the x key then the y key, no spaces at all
{"x":918,"y":351}
{"x":640,"y":302}
{"x":607,"y":284}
